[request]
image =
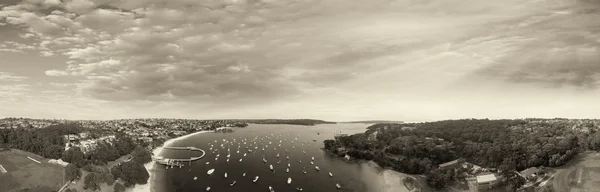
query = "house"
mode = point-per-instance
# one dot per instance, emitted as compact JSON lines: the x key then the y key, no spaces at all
{"x":70,"y":137}
{"x":529,"y":172}
{"x":486,"y":181}
{"x":83,"y":135}
{"x":451,"y":163}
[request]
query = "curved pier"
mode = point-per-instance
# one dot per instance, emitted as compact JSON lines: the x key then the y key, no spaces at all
{"x":168,"y":161}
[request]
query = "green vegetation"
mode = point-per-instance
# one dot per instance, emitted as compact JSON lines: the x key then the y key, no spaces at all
{"x":508,"y":145}
{"x":131,"y":173}
{"x":72,"y":173}
{"x":309,"y":122}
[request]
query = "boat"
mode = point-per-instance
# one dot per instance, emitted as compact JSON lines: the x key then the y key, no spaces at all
{"x":287,"y":170}
{"x":207,"y":163}
{"x":312,"y":163}
{"x":271,"y":189}
{"x":225,"y":174}
{"x":338,"y":186}
{"x":317,"y":168}
{"x":240,"y":160}
{"x":277,"y":155}
{"x":207,"y":188}
{"x":228,"y":155}
{"x":303,"y":171}
{"x":255,"y":179}
{"x":245,"y":154}
{"x":264,"y":160}
{"x":271,"y":167}
{"x":289,"y":180}
{"x":289,"y":165}
{"x":312,"y":158}
{"x":298,"y":189}
{"x":210,"y":171}
{"x":232,"y":184}
{"x":227,"y":160}
{"x":195,"y":178}
{"x":244,"y":174}
{"x":331,"y":175}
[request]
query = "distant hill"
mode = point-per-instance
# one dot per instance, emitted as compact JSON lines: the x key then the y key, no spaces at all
{"x":309,"y":122}
{"x":374,"y":122}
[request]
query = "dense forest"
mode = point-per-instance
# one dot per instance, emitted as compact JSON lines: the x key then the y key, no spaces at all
{"x":308,"y":122}
{"x":508,"y":145}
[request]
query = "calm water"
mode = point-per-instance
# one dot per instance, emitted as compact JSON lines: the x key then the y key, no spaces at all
{"x":351,"y":176}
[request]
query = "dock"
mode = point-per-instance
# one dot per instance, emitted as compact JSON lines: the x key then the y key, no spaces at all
{"x":178,"y":162}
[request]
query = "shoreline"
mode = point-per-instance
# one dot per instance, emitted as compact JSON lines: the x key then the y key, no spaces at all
{"x":150,"y":166}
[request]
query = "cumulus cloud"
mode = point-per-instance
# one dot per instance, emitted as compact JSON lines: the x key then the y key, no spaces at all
{"x":55,"y":72}
{"x":260,"y":51}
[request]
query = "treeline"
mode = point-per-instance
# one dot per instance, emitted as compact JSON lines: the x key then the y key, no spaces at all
{"x":47,"y":142}
{"x":308,"y":122}
{"x":506,"y":144}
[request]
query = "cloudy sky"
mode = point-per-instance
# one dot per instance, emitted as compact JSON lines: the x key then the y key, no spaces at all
{"x":412,"y":60}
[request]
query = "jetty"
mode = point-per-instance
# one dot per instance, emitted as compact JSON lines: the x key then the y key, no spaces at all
{"x":177,"y":162}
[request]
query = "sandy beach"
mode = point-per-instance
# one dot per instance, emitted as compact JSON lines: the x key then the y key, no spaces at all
{"x":151,"y":168}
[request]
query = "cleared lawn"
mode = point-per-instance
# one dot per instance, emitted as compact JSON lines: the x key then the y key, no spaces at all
{"x":585,"y":168}
{"x":24,"y":173}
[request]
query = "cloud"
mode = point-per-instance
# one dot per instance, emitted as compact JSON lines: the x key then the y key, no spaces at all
{"x":239,"y":52}
{"x":54,"y":72}
{"x":5,"y":76}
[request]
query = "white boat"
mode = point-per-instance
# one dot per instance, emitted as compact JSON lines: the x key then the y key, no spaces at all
{"x":271,"y":189}
{"x":225,"y":174}
{"x":207,"y":163}
{"x":271,"y":167}
{"x":289,"y":165}
{"x":244,"y":174}
{"x":298,"y":189}
{"x":331,"y":175}
{"x":338,"y":186}
{"x":227,"y":160}
{"x":317,"y":168}
{"x":228,"y":155}
{"x":232,"y":184}
{"x":240,"y":160}
{"x":312,"y":163}
{"x":264,"y":160}
{"x":277,"y":155}
{"x":255,"y":179}
{"x":245,"y":154}
{"x":195,"y":178}
{"x":303,"y":171}
{"x":312,"y":158}
{"x":210,"y":171}
{"x":287,"y":170}
{"x":207,"y":188}
{"x":289,"y":180}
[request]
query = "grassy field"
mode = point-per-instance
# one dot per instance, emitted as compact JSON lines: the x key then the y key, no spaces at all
{"x":23,"y":173}
{"x":581,"y":175}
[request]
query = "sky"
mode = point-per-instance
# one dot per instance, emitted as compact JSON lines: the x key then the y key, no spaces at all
{"x":338,"y":60}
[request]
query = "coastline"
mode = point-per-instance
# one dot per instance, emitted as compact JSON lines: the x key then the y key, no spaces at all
{"x":150,"y":166}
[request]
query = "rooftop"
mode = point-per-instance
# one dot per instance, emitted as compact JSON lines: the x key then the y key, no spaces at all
{"x":486,"y":178}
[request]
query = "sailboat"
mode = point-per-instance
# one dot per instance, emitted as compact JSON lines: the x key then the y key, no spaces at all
{"x":255,"y":179}
{"x":210,"y":171}
{"x":289,"y":180}
{"x":232,"y":184}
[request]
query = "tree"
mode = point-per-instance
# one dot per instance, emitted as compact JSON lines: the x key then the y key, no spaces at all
{"x":72,"y":173}
{"x":119,"y":188}
{"x":75,"y":156}
{"x":141,"y":155}
{"x":131,"y":173}
{"x":92,"y":181}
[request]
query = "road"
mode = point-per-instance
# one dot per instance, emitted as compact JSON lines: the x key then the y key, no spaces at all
{"x":561,"y":179}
